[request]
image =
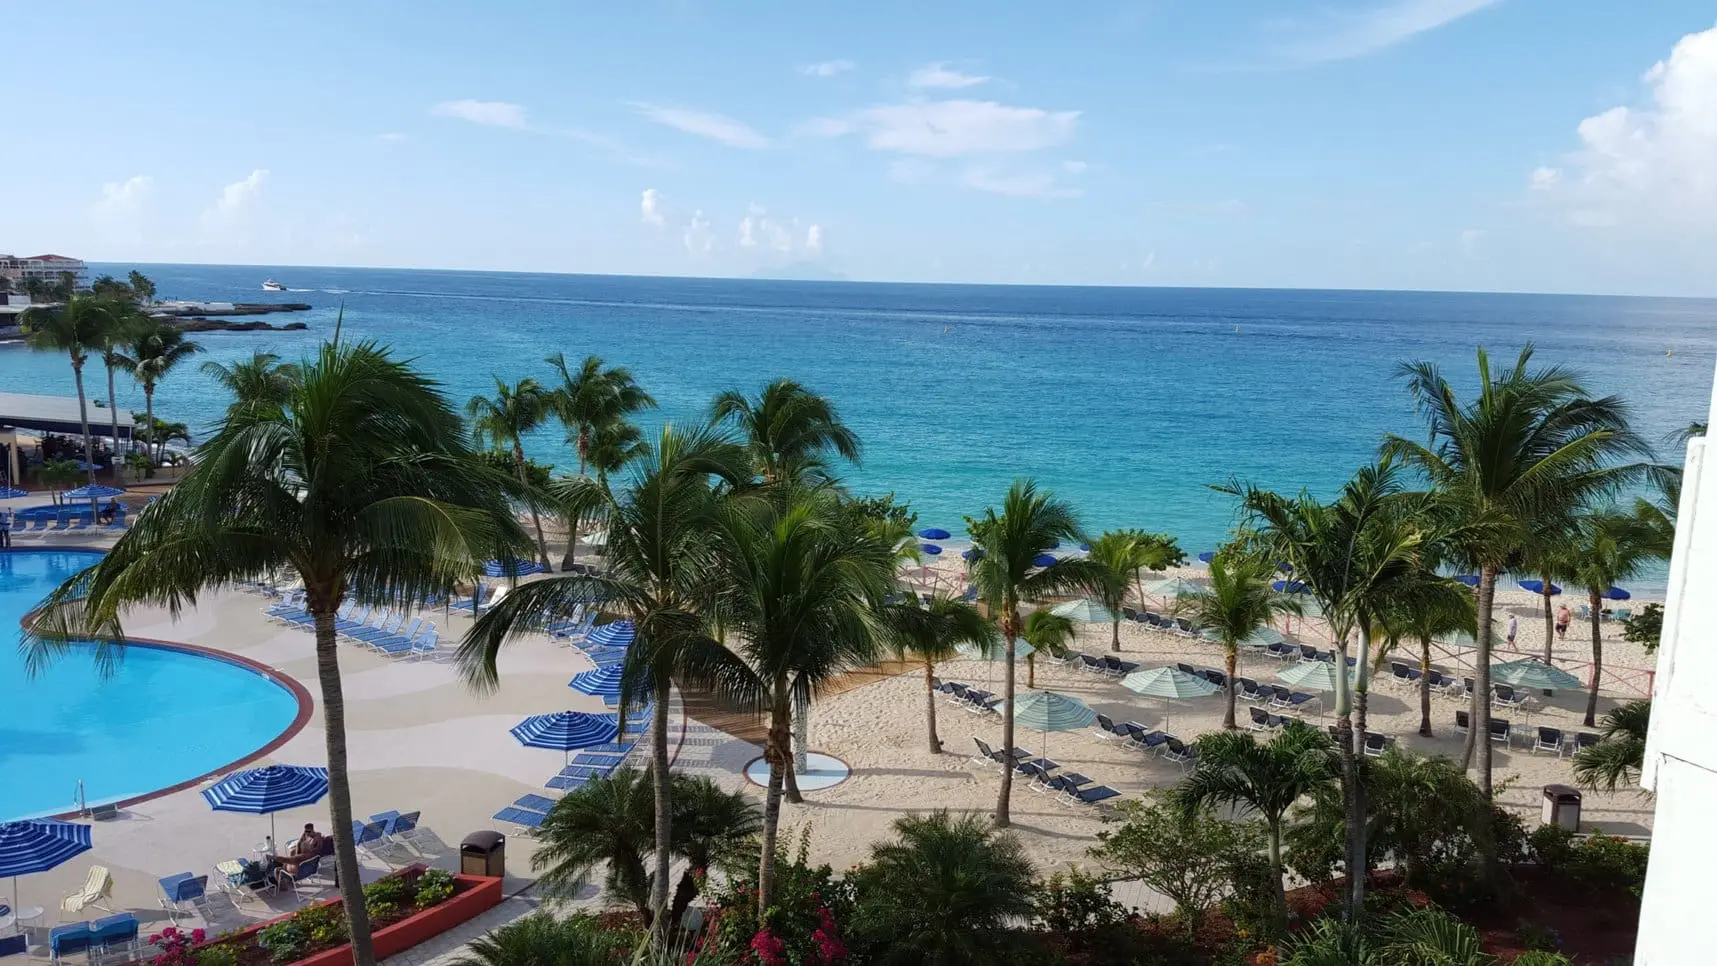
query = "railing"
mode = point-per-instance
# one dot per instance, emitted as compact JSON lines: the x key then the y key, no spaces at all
{"x":1622,"y":679}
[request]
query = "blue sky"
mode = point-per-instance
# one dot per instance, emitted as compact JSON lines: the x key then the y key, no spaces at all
{"x":1540,"y":145}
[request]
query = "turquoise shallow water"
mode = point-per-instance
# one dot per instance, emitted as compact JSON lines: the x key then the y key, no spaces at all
{"x":1129,"y":402}
{"x":161,"y":718}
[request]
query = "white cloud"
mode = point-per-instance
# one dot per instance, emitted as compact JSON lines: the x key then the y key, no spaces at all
{"x":946,"y":129}
{"x":650,"y":207}
{"x":1074,"y":167}
{"x":814,"y":239}
{"x":490,"y":113}
{"x":827,"y":68}
{"x":390,"y":136}
{"x":1652,"y":165}
{"x":716,"y":127}
{"x":1343,"y":37}
{"x":825,"y":127}
{"x":698,"y":237}
{"x":941,"y":77}
{"x":748,"y":232}
{"x":1017,"y":185}
{"x":121,"y":199}
{"x":236,"y":197}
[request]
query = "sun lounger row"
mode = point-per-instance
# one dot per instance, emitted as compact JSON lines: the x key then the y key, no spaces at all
{"x":1071,"y":789}
{"x":968,"y":698}
{"x":1131,"y":734}
{"x":1107,"y":666}
{"x":1162,"y":622}
{"x":1375,"y":743}
{"x":526,"y":813}
{"x":386,"y":631}
{"x":1261,"y":720}
{"x":112,"y":938}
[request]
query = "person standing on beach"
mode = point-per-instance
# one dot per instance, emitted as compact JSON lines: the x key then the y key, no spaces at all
{"x":1513,"y":628}
{"x":1563,"y":619}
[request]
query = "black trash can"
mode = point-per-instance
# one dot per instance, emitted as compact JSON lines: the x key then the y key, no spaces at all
{"x":483,"y":853}
{"x":1561,"y":807}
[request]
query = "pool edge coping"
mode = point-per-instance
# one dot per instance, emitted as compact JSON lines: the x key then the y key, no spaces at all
{"x":294,"y":687}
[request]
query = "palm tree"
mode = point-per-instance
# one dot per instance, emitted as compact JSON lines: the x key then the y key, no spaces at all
{"x":141,"y":287}
{"x":1235,"y":771}
{"x":1238,"y":603}
{"x":540,"y":939}
{"x":1610,"y":547}
{"x":944,"y":892}
{"x":799,"y":592}
{"x":1005,"y":573}
{"x":362,"y":484}
{"x":607,"y":823}
{"x":1532,"y":442}
{"x":790,"y":431}
{"x":122,"y":323}
{"x":710,"y":824}
{"x":504,"y":421}
{"x":1547,"y":554}
{"x":1615,"y":761}
{"x":1425,"y":607}
{"x":154,"y":352}
{"x":262,"y":381}
{"x":74,"y":328}
{"x":1123,"y":557}
{"x":593,"y":399}
{"x":657,"y":574}
{"x":1048,"y":634}
{"x":933,"y":631}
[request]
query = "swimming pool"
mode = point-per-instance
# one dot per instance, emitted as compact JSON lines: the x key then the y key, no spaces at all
{"x":163,"y":717}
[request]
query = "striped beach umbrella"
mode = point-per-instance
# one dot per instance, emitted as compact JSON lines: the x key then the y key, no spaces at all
{"x":33,"y":845}
{"x":510,"y":568}
{"x":1530,"y":672}
{"x":994,"y":652}
{"x":1085,"y":611}
{"x":92,"y":491}
{"x":12,"y":493}
{"x":1314,"y":675}
{"x":1261,"y":637}
{"x":604,"y":682}
{"x":566,"y":730}
{"x":1175,"y":586}
{"x":1046,"y":711}
{"x":614,"y":634}
{"x":1168,"y":683}
{"x":266,"y":790}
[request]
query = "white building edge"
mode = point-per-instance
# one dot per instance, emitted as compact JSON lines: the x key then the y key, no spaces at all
{"x":1681,"y":748}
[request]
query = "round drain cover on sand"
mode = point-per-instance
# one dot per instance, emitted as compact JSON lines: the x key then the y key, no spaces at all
{"x":825,"y":771}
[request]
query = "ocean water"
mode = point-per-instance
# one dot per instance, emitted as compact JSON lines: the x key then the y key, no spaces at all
{"x":1129,"y":402}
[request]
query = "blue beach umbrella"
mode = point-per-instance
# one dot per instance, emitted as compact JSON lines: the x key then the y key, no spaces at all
{"x":1206,"y":556}
{"x":93,"y":491}
{"x":972,"y":554}
{"x":1175,"y":586}
{"x":930,"y":549}
{"x":266,"y":790}
{"x":1043,"y":560}
{"x":566,"y":730}
{"x":33,"y":845}
{"x":1537,"y":587}
{"x":604,"y":682}
{"x":615,"y":634}
{"x":1471,"y":580}
{"x":1616,"y":593}
{"x":934,"y":533}
{"x":499,"y":568}
{"x":1288,"y":587}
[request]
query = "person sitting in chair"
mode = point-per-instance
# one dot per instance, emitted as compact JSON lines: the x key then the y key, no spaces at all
{"x":308,"y":846}
{"x":109,"y":511}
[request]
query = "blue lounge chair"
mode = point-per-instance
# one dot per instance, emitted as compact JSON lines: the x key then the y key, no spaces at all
{"x":386,"y":623}
{"x":397,"y":646}
{"x":360,"y":616}
{"x":525,"y":820}
{"x":307,"y":869}
{"x":71,"y":939}
{"x":1091,"y":796}
{"x":16,"y":944}
{"x":621,"y":748}
{"x":184,"y":893}
{"x":365,"y":836}
{"x":382,"y":641}
{"x":1179,"y":752}
{"x":426,"y":644}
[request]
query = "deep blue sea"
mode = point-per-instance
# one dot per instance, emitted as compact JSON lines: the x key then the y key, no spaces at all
{"x":1127,"y":401}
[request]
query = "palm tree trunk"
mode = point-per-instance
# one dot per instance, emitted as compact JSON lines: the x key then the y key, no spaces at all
{"x":1478,"y":735}
{"x":775,"y":752}
{"x":1233,"y":655}
{"x":1010,"y":627}
{"x":1549,"y":621}
{"x":570,"y":557}
{"x":1350,"y":804}
{"x":1425,"y":686}
{"x":113,"y":413}
{"x":1115,"y":636}
{"x":536,"y":521}
{"x":1358,"y":867}
{"x":148,"y":411}
{"x":1278,"y":891}
{"x":1597,"y":662}
{"x":340,"y":786}
{"x":1031,"y":671}
{"x":83,"y":417}
{"x":664,"y":807}
{"x":930,"y":708}
{"x":796,"y":715}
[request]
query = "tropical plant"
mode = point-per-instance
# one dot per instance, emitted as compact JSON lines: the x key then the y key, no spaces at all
{"x":503,"y":421}
{"x":1608,"y":548}
{"x":362,"y":484}
{"x":260,"y":382}
{"x":142,"y":288}
{"x":1048,"y":634}
{"x":656,"y":573}
{"x":1008,"y":546}
{"x":1235,"y":771}
{"x":57,"y":476}
{"x":594,"y":406}
{"x":1426,"y":606}
{"x":123,"y":321}
{"x":76,"y":329}
{"x":1531,"y":443}
{"x":942,"y":892}
{"x":154,"y":351}
{"x":711,"y":825}
{"x":1645,"y":627}
{"x":798,"y":591}
{"x":931,"y":631}
{"x":1615,"y":761}
{"x":606,"y":822}
{"x":1239,"y":602}
{"x":1124,"y":555}
{"x":790,"y":431}
{"x":541,"y":939}
{"x":1190,"y":858}
{"x":1416,"y":937}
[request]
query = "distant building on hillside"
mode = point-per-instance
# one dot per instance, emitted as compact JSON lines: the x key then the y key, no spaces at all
{"x":48,"y":268}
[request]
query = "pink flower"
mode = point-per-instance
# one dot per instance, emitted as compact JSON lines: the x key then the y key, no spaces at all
{"x":770,"y":950}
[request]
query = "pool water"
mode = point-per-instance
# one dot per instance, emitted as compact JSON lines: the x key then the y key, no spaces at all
{"x":162,"y":717}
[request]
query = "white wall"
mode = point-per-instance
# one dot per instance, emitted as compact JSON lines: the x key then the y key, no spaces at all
{"x":1681,"y":750}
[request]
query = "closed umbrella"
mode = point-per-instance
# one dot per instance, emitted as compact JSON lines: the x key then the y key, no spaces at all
{"x":1530,"y":672}
{"x":930,"y":548}
{"x":566,"y":730}
{"x":934,"y":533}
{"x":1047,"y":711}
{"x":604,"y":682}
{"x":266,"y":790}
{"x":33,"y":845}
{"x":1537,"y":587}
{"x":1084,"y":611}
{"x":1314,"y":675}
{"x":619,"y":633}
{"x":1169,"y":684}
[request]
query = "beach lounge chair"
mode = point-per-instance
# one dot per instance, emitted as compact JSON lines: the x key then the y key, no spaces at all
{"x":1215,"y":677}
{"x":16,"y":944}
{"x":1130,"y":614}
{"x":1253,"y":691}
{"x":184,"y":893}
{"x":1188,"y":670}
{"x":1184,"y":627}
{"x":1260,"y":719}
{"x":96,"y":893}
{"x":1093,"y":664}
{"x":956,"y":692}
{"x":1500,"y":730}
{"x":356,"y":617}
{"x":71,"y":939}
{"x":1442,"y":682}
{"x":1106,"y":730}
{"x":1508,"y":697}
{"x":526,"y":821}
{"x":1401,"y":674}
{"x":1463,"y":722}
{"x":1146,"y":740}
{"x":366,"y":836}
{"x":386,"y":623}
{"x":307,"y":869}
{"x":1179,"y":752}
{"x":1584,"y":740}
{"x":1282,"y":651}
{"x":1309,"y":653}
{"x":1117,"y":668}
{"x":1094,"y":795}
{"x":382,"y":642}
{"x":1376,"y":744}
{"x":1466,"y":688}
{"x":402,"y":830}
{"x":1549,"y":739}
{"x":427,"y":644}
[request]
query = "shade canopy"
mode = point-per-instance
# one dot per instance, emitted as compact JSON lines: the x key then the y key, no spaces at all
{"x":1086,"y":611}
{"x":1471,"y":580}
{"x":92,"y":491}
{"x":1168,"y":682}
{"x":1260,"y":637}
{"x":33,"y":845}
{"x":1314,"y":675}
{"x":934,"y":533}
{"x":511,"y":568}
{"x":1050,"y":711}
{"x":614,"y":634}
{"x":930,"y":549}
{"x":566,"y":730}
{"x":1175,"y":586}
{"x":1616,"y":593}
{"x":1288,"y":587}
{"x":604,"y":682}
{"x":1043,"y":560}
{"x":994,"y":652}
{"x":1530,"y":672}
{"x":272,"y":788}
{"x":1537,"y":587}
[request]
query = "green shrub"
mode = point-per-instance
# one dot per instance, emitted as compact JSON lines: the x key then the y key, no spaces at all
{"x":1533,"y":936}
{"x":803,"y":926}
{"x":216,"y":955}
{"x":393,"y":890}
{"x":1074,"y":902}
{"x":1540,"y":957}
{"x":1552,"y":845}
{"x":285,"y":941}
{"x":1601,"y":862}
{"x":434,"y":887}
{"x":323,"y":925}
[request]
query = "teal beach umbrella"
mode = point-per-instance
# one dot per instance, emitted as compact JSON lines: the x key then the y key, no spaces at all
{"x":1530,"y":672}
{"x":1315,"y":675}
{"x":1175,"y":586}
{"x":1262,"y":637}
{"x":1084,"y":611}
{"x":994,"y":652}
{"x":1169,"y":684}
{"x":1047,"y":711}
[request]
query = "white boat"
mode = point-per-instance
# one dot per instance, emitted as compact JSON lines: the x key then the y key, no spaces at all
{"x":272,"y":286}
